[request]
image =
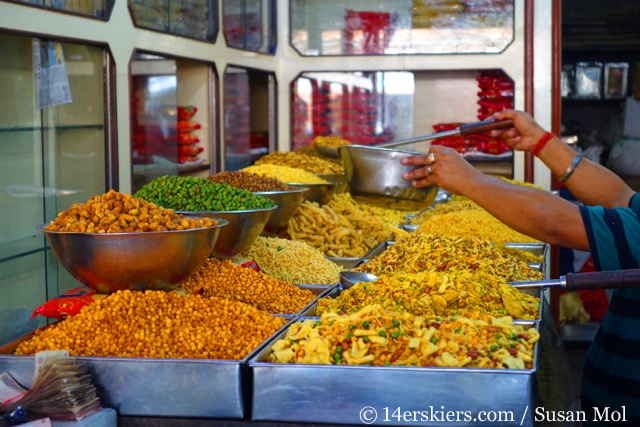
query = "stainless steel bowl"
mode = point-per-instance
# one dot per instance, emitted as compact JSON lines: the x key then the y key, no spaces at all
{"x":351,"y":278}
{"x":327,"y":151}
{"x":243,"y":229}
{"x":154,"y":260}
{"x":287,"y":201}
{"x":319,"y":193}
{"x":375,"y":177}
{"x":339,"y":179}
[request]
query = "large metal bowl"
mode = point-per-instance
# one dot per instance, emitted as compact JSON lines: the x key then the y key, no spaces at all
{"x":319,"y":193}
{"x":243,"y":229}
{"x":339,"y":179}
{"x":375,"y":177}
{"x":154,"y":260}
{"x":287,"y":201}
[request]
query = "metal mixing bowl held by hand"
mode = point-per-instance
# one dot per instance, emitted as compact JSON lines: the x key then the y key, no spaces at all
{"x":243,"y":229}
{"x":375,"y":177}
{"x":154,"y":260}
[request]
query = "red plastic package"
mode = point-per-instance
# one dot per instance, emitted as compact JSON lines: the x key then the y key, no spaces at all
{"x":187,"y":138}
{"x":68,"y":304}
{"x":188,"y":126}
{"x":186,"y":112}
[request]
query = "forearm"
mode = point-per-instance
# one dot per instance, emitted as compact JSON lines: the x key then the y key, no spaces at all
{"x":590,"y":183}
{"x":533,"y":212}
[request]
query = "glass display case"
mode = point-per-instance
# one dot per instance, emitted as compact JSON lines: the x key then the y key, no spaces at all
{"x":90,"y":8}
{"x":250,"y":25}
{"x":171,"y":116}
{"x":54,"y":145}
{"x":370,"y":108}
{"x":351,"y":27}
{"x":249,"y":116}
{"x":197,"y":19}
{"x":362,"y":107}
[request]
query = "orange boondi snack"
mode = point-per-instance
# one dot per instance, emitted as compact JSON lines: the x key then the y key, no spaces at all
{"x":68,"y":304}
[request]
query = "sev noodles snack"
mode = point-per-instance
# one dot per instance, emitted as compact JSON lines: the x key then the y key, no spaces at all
{"x":474,"y":223}
{"x":312,"y":164}
{"x":456,"y":204}
{"x":373,"y":336}
{"x":337,"y":229}
{"x":285,"y":174}
{"x":523,"y":255}
{"x":436,"y":294}
{"x":224,"y":279}
{"x":292,"y":261}
{"x":344,"y":204}
{"x":428,"y":252}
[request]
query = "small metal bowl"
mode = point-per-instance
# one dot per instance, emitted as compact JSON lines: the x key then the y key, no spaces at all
{"x":153,"y":260}
{"x":243,"y":229}
{"x":287,"y":201}
{"x":319,"y":193}
{"x":375,"y":177}
{"x":351,"y":278}
{"x":339,"y":179}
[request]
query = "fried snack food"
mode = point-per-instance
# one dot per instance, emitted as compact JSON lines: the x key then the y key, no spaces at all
{"x":158,"y":324}
{"x":115,"y":212}
{"x":474,"y":223}
{"x":224,"y":279}
{"x":436,"y":294}
{"x":285,"y":174}
{"x":249,"y":181}
{"x":344,"y":204}
{"x":373,"y":336}
{"x":428,"y":252}
{"x":314,"y":165}
{"x":293,"y":261}
{"x":337,"y":229}
{"x":329,"y":141}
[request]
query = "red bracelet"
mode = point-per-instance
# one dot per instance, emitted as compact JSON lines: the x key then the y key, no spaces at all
{"x":541,"y":143}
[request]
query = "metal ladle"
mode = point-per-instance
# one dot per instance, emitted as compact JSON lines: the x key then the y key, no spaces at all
{"x":463,"y":130}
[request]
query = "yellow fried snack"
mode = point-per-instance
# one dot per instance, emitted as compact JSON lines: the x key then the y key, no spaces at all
{"x":292,"y":261}
{"x":285,"y":174}
{"x":473,"y":223}
{"x":428,"y":252}
{"x":158,"y":324}
{"x":373,"y":336}
{"x":338,"y":229}
{"x":312,"y":164}
{"x":436,"y":294}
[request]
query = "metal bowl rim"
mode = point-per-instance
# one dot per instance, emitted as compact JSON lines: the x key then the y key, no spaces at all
{"x":292,"y":191}
{"x":194,"y":213}
{"x":328,"y":184}
{"x":382,"y":149}
{"x":220,"y":223}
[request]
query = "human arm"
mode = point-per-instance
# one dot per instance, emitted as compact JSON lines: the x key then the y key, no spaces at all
{"x":591,"y":183}
{"x":531,"y":211}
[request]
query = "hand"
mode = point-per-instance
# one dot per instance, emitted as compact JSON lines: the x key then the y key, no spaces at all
{"x":443,"y":166}
{"x":525,"y":133}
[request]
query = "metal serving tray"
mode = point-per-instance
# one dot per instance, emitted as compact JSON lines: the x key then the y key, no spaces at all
{"x":539,"y":249}
{"x":351,"y":394}
{"x":320,"y":291}
{"x":157,"y":387}
{"x":346,"y":263}
{"x":310,"y":310}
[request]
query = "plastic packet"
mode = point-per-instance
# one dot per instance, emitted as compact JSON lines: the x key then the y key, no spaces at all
{"x":68,"y":304}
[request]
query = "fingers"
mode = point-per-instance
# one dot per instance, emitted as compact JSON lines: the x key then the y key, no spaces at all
{"x":418,"y":173}
{"x":423,"y":182}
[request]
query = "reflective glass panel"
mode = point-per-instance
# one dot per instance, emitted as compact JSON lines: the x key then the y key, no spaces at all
{"x":389,"y":27}
{"x":170,"y":118}
{"x":249,"y":119}
{"x":195,"y":19}
{"x":250,"y":25}
{"x":92,"y":8}
{"x":53,"y":144}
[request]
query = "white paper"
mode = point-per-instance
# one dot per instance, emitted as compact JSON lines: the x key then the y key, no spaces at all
{"x":9,"y":388}
{"x":50,"y":74}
